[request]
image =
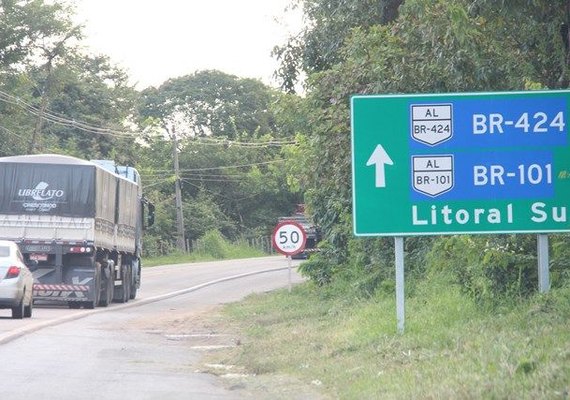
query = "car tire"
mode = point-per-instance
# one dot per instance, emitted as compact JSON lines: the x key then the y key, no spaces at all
{"x":29,"y":308}
{"x":18,"y":311}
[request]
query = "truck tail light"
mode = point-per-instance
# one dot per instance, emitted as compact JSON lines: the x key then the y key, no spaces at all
{"x":13,"y":272}
{"x":80,"y":249}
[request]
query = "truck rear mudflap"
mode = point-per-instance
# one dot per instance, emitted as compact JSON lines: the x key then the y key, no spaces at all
{"x":70,"y":283}
{"x":62,"y":292}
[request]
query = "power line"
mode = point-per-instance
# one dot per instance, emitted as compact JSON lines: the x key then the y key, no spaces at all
{"x":11,"y":132}
{"x":52,"y":117}
{"x":55,"y":118}
{"x":234,"y":166}
{"x":229,"y":143}
{"x":220,"y":167}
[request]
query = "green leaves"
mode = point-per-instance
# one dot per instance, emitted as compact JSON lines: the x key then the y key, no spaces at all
{"x":212,"y":103}
{"x":233,"y":174}
{"x":433,"y":46}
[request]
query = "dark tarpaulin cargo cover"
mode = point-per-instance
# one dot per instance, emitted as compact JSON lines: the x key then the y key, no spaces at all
{"x":47,"y":185}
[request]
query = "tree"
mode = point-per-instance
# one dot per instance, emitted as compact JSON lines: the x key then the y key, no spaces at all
{"x":34,"y":31}
{"x":432,"y":47}
{"x":33,"y":35}
{"x":54,"y":96}
{"x":329,"y":22}
{"x":229,"y":155}
{"x":96,"y":93}
{"x":211,"y":103}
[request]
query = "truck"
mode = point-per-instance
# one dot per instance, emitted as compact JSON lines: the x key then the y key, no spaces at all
{"x":79,"y":225}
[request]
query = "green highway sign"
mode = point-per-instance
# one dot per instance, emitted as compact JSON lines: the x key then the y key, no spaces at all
{"x":461,"y":163}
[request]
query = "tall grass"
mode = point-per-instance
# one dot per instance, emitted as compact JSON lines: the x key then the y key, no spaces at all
{"x":452,"y":348}
{"x":214,"y":247}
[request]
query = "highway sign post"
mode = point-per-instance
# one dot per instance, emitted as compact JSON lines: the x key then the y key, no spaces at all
{"x":461,"y":163}
{"x":289,"y":238}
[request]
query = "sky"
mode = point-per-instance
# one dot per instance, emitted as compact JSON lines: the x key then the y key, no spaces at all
{"x":155,"y":40}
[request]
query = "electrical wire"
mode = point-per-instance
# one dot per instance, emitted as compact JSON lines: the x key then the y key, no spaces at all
{"x":159,"y":171}
{"x":52,"y":117}
{"x":11,"y":132}
{"x":229,"y":143}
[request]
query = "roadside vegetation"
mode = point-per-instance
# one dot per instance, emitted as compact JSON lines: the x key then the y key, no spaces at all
{"x":213,"y":247}
{"x":453,"y":347}
{"x":248,"y":152}
{"x":476,"y":326}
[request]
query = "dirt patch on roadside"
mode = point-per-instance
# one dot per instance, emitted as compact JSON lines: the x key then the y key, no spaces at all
{"x":207,"y":333}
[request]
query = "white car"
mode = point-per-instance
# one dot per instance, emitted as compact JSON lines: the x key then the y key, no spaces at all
{"x":16,"y":281}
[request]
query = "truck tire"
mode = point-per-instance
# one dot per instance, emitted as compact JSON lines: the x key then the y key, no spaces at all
{"x":129,"y":281}
{"x":108,"y":290}
{"x":122,"y":291}
{"x":90,"y":305}
{"x":136,"y":280}
{"x":133,"y":291}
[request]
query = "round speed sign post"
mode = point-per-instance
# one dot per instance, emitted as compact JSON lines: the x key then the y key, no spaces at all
{"x":289,"y":238}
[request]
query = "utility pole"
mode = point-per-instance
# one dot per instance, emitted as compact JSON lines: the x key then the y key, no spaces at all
{"x":180,"y":239}
{"x":36,"y":142}
{"x":57,"y":51}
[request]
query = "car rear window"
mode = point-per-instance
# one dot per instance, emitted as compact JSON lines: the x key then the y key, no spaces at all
{"x":4,"y":251}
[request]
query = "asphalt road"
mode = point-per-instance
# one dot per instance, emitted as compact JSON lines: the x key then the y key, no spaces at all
{"x":148,"y":348}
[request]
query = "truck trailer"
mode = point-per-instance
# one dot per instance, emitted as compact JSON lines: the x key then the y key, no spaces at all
{"x":79,"y":225}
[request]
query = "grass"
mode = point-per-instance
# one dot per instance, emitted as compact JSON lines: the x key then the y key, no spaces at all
{"x":176,"y":258}
{"x":452,"y":348}
{"x":215,"y":248}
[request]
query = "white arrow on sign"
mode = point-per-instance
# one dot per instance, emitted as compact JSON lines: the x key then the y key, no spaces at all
{"x":380,"y":158}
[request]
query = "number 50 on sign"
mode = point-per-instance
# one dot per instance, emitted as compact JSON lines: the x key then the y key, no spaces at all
{"x":289,"y":238}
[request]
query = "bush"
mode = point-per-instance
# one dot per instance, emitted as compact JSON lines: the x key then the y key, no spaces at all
{"x":368,"y":264}
{"x":155,"y":246}
{"x":560,"y":260}
{"x":318,"y":269}
{"x":489,"y":267}
{"x":215,"y":245}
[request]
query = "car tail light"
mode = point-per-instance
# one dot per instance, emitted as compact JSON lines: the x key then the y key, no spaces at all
{"x":13,"y":272}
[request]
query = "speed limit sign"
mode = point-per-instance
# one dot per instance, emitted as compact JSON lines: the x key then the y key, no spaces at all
{"x":289,"y":238}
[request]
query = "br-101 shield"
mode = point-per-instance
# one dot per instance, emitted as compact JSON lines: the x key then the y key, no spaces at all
{"x":432,"y":175}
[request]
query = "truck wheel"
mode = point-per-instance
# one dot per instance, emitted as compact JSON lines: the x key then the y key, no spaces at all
{"x":129,"y":283}
{"x":135,"y":280}
{"x":18,"y":311}
{"x":74,"y":305}
{"x":133,"y":291}
{"x":90,"y":305}
{"x":107,"y":294}
{"x":121,"y":291}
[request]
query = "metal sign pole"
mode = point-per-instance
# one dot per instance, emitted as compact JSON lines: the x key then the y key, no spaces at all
{"x":289,"y":265}
{"x":400,"y":309}
{"x":543,"y":261}
{"x":289,"y":238}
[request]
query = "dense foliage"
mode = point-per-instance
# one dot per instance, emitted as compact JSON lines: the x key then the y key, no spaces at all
{"x":431,"y":47}
{"x":249,"y":153}
{"x":230,"y":153}
{"x":57,"y":97}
